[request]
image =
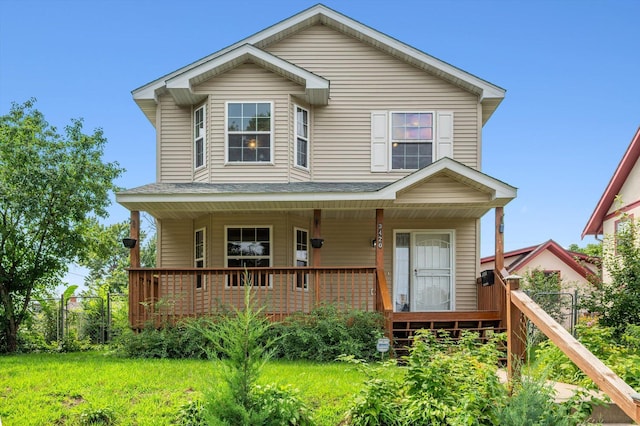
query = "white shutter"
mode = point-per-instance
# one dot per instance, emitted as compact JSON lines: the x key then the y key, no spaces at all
{"x":379,"y":142}
{"x":444,"y":135}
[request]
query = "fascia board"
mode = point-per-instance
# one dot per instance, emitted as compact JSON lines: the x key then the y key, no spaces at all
{"x":500,"y":190}
{"x":266,"y":197}
{"x":312,"y":81}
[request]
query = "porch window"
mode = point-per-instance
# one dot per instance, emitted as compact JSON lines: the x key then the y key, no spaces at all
{"x":199,"y":137}
{"x":411,"y":140}
{"x":199,"y":254}
{"x":249,"y":247}
{"x":249,"y":132}
{"x":302,"y":256}
{"x":302,"y":138}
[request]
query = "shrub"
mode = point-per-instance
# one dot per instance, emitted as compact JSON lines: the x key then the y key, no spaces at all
{"x":623,"y":358}
{"x":445,"y":383}
{"x":533,"y":403}
{"x":326,"y":333}
{"x":171,"y":341}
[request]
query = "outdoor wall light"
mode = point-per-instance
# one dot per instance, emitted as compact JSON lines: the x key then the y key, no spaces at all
{"x":129,"y":242}
{"x":317,"y":242}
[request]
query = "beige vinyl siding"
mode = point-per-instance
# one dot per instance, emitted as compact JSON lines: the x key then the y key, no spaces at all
{"x":250,"y":83}
{"x":175,"y":244}
{"x":364,"y":79}
{"x":176,"y":144}
{"x":441,"y":189}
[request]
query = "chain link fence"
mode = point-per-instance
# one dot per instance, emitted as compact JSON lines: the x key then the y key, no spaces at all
{"x":91,"y":319}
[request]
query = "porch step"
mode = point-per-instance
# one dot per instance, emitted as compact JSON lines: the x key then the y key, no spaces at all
{"x":405,"y":326}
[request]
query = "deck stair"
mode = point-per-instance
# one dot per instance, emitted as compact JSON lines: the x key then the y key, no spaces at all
{"x":405,"y":325}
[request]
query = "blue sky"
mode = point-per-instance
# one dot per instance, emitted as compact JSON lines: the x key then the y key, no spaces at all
{"x":570,"y":68}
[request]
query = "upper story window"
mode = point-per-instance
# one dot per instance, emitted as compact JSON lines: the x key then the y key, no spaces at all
{"x":301,"y":147}
{"x":411,"y":140}
{"x":249,"y":132}
{"x":199,"y":132}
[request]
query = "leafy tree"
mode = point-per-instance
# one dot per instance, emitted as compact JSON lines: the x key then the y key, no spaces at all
{"x":591,"y":249}
{"x":51,"y":185}
{"x":617,"y":300}
{"x":107,"y":259}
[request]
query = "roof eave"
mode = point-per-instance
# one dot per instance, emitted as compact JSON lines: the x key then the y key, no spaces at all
{"x":594,"y":225}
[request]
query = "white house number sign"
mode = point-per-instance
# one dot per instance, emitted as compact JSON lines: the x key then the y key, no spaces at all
{"x":379,"y":237}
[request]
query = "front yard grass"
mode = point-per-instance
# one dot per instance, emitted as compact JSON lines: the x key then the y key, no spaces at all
{"x":56,"y":389}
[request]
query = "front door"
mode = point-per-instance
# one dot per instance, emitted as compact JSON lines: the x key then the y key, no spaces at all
{"x":423,"y":271}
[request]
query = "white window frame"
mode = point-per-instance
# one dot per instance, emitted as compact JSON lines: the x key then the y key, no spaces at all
{"x":200,"y":279}
{"x":227,"y":133}
{"x":199,"y":134}
{"x":301,"y":280}
{"x":227,"y":257}
{"x":297,"y":136}
{"x":393,"y":141}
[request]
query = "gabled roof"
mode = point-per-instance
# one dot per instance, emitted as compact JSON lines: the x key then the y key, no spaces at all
{"x":526,"y":255}
{"x":145,"y":96}
{"x":629,"y":159}
{"x":169,"y":198}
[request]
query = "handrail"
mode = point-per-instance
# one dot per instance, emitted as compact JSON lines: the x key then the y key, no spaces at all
{"x":623,"y":395}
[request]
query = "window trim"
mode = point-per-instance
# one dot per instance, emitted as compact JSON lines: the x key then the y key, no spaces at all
{"x":200,"y":279}
{"x":226,"y":252}
{"x":271,"y":133}
{"x":392,"y":140}
{"x":624,"y":219}
{"x":196,"y":138}
{"x":297,"y":137}
{"x":297,"y":285}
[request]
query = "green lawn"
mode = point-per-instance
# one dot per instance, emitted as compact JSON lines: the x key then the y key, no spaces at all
{"x":55,"y":389}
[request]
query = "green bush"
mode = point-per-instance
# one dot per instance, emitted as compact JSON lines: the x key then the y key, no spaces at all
{"x":533,"y":403}
{"x":326,"y":333}
{"x":171,"y":341}
{"x":623,"y":358}
{"x":455,"y":383}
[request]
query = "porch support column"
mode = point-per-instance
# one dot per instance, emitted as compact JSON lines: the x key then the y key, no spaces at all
{"x":499,"y":234}
{"x":134,"y":232}
{"x":379,"y":239}
{"x":317,"y":230}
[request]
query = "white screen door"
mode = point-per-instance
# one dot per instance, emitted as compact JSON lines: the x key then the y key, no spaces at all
{"x":432,"y":272}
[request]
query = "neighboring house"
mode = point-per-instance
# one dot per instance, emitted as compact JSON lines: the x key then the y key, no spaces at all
{"x":573,"y":269}
{"x":333,"y":162}
{"x":548,"y":257}
{"x":621,"y":198}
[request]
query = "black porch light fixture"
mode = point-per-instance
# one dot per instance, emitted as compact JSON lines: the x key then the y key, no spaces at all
{"x":317,"y":242}
{"x":129,"y":242}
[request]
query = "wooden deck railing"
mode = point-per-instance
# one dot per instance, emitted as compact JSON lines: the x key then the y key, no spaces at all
{"x":170,"y":294}
{"x":521,"y":305}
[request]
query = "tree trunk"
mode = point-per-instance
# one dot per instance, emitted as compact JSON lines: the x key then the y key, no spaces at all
{"x":10,"y":322}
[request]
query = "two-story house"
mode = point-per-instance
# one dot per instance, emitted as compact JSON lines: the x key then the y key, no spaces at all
{"x":620,"y":200}
{"x":332,"y":162}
